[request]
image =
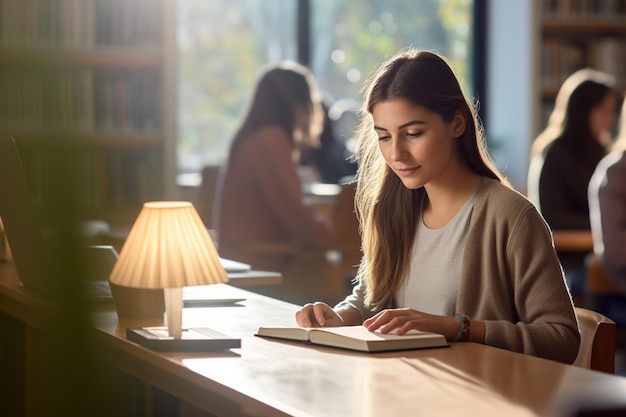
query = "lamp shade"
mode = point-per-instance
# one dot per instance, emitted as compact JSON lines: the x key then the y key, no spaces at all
{"x":168,"y":247}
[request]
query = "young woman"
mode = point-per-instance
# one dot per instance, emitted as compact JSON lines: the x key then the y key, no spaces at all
{"x":259,"y":192}
{"x":447,"y":246}
{"x":565,"y":155}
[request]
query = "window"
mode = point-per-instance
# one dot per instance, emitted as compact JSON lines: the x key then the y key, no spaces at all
{"x":223,"y":47}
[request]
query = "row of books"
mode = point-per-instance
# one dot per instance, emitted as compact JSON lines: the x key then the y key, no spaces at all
{"x":104,"y":177}
{"x":80,"y":23}
{"x":79,"y":99}
{"x":560,"y":57}
{"x":583,"y":9}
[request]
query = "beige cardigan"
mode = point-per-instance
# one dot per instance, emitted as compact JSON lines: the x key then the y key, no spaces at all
{"x":511,"y":278}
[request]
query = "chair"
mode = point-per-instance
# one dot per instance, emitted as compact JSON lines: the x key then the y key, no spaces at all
{"x":347,"y":236}
{"x":210,"y":175}
{"x":597,"y":284}
{"x":597,"y":341}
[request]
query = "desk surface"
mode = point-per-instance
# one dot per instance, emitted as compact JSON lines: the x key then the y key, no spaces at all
{"x":268,"y":377}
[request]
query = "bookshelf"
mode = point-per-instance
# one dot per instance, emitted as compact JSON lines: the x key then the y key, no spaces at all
{"x":95,"y":77}
{"x":574,"y":34}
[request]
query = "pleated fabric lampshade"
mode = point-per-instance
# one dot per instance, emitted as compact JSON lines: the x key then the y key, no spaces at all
{"x":168,"y":247}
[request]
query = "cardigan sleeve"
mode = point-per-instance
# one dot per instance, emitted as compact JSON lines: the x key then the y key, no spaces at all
{"x":356,"y":300}
{"x":512,"y":280}
{"x":544,"y":323}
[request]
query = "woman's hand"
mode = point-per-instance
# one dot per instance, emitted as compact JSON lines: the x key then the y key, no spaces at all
{"x":318,"y":315}
{"x":401,"y":320}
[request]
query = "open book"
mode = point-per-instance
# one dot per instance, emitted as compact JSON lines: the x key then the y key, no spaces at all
{"x":356,"y":338}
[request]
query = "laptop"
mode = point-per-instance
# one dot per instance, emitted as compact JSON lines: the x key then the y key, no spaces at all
{"x":21,"y":221}
{"x":30,"y":248}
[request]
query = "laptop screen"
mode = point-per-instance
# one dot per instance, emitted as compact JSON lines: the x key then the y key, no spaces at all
{"x":20,"y":220}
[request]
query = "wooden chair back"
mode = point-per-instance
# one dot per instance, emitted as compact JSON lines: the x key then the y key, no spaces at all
{"x":348,"y":238}
{"x":597,"y":341}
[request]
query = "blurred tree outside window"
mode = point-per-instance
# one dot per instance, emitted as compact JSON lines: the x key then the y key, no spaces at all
{"x":224,"y":45}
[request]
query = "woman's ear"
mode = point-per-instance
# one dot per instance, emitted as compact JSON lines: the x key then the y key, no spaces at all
{"x":458,"y":123}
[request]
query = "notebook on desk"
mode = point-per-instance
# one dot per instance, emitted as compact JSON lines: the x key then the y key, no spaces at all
{"x":31,"y":250}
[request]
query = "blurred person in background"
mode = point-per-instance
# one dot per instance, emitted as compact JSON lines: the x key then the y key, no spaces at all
{"x":607,"y":212}
{"x":565,"y":154}
{"x":259,"y":194}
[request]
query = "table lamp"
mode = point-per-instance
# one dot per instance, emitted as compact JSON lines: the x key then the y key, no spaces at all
{"x":169,"y":248}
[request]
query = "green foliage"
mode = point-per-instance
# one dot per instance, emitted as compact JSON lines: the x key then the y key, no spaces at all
{"x":223,"y":46}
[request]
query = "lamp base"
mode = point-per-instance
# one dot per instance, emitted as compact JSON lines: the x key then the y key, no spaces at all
{"x":192,"y":340}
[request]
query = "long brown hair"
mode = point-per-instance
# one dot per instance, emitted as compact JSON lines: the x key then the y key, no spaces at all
{"x":579,"y":94}
{"x":286,"y":96}
{"x":385,"y":207}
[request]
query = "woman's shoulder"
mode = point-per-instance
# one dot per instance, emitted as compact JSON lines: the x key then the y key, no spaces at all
{"x":499,"y":206}
{"x":614,"y":159}
{"x":613,"y":165}
{"x":267,"y":138}
{"x":269,"y":133}
{"x":560,"y":148}
{"x":496,"y":196}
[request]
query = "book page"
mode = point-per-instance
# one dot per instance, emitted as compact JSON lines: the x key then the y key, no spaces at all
{"x":361,"y":333}
{"x":359,"y":338}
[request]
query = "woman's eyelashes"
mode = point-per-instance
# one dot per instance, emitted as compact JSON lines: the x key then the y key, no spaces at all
{"x":414,"y":134}
{"x":384,"y":135}
{"x":408,"y":135}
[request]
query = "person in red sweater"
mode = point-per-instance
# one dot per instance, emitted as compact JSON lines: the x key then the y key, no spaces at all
{"x":260,"y":201}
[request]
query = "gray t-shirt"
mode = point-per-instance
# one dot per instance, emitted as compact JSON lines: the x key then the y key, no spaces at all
{"x":434,"y":274}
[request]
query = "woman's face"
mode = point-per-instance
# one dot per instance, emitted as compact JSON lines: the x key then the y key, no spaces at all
{"x":417,"y":144}
{"x":602,"y":117}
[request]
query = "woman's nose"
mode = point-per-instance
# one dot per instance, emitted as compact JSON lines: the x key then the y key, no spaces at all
{"x":398,"y":151}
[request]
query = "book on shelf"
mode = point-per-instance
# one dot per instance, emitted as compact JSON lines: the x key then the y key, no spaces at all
{"x":355,"y":338}
{"x":80,"y":24}
{"x":563,"y":55}
{"x":583,"y":9}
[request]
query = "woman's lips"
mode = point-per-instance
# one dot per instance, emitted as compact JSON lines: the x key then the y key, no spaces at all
{"x":405,"y":172}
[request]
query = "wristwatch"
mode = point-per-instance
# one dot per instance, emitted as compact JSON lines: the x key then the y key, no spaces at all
{"x":464,"y":328}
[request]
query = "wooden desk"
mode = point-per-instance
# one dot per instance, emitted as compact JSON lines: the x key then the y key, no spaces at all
{"x":267,"y":377}
{"x":573,"y":240}
{"x":272,"y":378}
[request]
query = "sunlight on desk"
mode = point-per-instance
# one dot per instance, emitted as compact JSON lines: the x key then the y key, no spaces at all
{"x":434,"y":388}
{"x":438,"y":389}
